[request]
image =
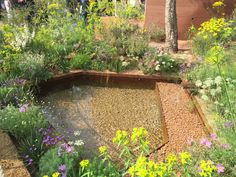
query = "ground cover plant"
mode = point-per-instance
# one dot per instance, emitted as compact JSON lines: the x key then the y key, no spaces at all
{"x":56,"y":40}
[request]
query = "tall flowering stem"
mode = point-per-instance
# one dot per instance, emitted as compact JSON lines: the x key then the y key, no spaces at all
{"x":216,"y":56}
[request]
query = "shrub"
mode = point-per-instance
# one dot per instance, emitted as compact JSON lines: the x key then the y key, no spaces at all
{"x":153,"y":63}
{"x":32,"y":67}
{"x":21,"y":122}
{"x":14,"y":92}
{"x":127,"y":11}
{"x":155,"y":33}
{"x":213,"y":32}
{"x":61,"y":159}
{"x":81,"y":61}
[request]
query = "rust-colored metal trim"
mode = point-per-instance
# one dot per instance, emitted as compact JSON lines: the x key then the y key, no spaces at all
{"x":157,"y":77}
{"x":207,"y":128}
{"x":163,"y":122}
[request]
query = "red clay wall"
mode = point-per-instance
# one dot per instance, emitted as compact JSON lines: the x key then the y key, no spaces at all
{"x":188,"y":12}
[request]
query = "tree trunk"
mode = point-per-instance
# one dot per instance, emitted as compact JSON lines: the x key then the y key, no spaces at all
{"x":171,"y":28}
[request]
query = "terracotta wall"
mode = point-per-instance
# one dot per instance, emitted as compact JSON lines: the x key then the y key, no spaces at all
{"x":188,"y":12}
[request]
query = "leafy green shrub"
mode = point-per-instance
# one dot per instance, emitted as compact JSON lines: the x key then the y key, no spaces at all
{"x":213,"y":32}
{"x":127,"y":38}
{"x":155,"y":33}
{"x":81,"y":61}
{"x":14,"y":92}
{"x":32,"y":148}
{"x":32,"y":67}
{"x":52,"y":160}
{"x":127,"y":11}
{"x":153,"y":63}
{"x":21,"y":122}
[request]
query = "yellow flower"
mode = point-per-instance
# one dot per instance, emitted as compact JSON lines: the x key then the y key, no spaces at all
{"x":56,"y":174}
{"x":102,"y":149}
{"x":185,"y":157}
{"x":84,"y":163}
{"x":132,"y":171}
{"x":138,"y":133}
{"x":218,"y":4}
{"x":171,"y":159}
{"x":121,"y":137}
{"x":45,"y":176}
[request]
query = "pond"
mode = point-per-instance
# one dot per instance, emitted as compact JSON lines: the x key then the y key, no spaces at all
{"x":98,"y":106}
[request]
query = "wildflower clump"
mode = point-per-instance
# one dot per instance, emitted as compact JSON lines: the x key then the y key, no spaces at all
{"x":216,"y":27}
{"x":206,"y":168}
{"x":185,"y":157}
{"x":121,"y":138}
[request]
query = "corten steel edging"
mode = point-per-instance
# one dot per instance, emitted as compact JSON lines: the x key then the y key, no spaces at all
{"x":163,"y":122}
{"x":157,"y":77}
{"x":207,"y":128}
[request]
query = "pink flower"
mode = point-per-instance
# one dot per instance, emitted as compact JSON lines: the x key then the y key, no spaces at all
{"x":205,"y":142}
{"x":226,"y":146}
{"x":220,"y":168}
{"x":23,"y":108}
{"x":214,"y":136}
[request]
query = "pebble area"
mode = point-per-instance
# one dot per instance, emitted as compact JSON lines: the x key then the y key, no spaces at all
{"x":182,"y":123}
{"x":98,"y":112}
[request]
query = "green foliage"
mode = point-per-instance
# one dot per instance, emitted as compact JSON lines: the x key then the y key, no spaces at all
{"x":216,"y":31}
{"x":155,"y":33}
{"x":51,"y":160}
{"x":14,"y":92}
{"x":127,"y":38}
{"x":127,"y":11}
{"x":32,"y":67}
{"x":219,"y":152}
{"x":81,"y":61}
{"x":153,"y":63}
{"x":32,"y":148}
{"x":21,"y":122}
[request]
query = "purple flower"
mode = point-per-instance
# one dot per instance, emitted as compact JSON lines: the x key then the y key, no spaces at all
{"x":205,"y":142}
{"x":30,"y":161}
{"x":226,"y":146}
{"x":214,"y":136}
{"x":23,"y":108}
{"x":67,"y":147}
{"x":229,"y":124}
{"x":62,"y":168}
{"x":220,"y":168}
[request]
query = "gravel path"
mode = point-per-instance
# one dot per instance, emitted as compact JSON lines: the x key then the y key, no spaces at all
{"x":182,"y":122}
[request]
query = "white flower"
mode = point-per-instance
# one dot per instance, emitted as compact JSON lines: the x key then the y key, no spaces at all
{"x":71,"y":143}
{"x":218,"y":80}
{"x":79,"y":143}
{"x":213,"y":92}
{"x":205,"y":98}
{"x":157,"y":68}
{"x":198,"y":83}
{"x":77,"y":133}
{"x":218,"y":89}
{"x":209,"y":82}
{"x":163,"y":62}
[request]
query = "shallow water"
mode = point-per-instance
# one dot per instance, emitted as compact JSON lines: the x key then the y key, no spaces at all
{"x":98,"y":112}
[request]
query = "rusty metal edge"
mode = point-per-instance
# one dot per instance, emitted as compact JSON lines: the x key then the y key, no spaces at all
{"x":163,"y":122}
{"x":157,"y":77}
{"x":207,"y":128}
